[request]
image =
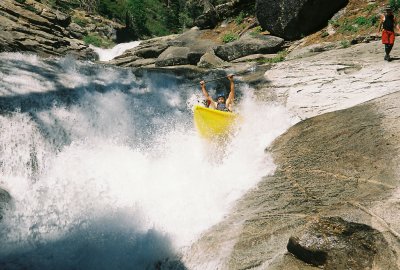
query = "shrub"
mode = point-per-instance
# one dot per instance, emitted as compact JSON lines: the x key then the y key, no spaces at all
{"x":345,"y":43}
{"x":257,"y":29}
{"x":240,"y":18}
{"x":97,"y":41}
{"x":80,"y":21}
{"x":324,"y":34}
{"x":229,"y":37}
{"x":394,"y":4}
{"x":368,"y":22}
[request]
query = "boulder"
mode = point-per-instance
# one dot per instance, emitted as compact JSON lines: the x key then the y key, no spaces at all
{"x":233,"y":8}
{"x":210,"y":60}
{"x":292,"y":19}
{"x":334,"y":243}
{"x":249,"y":44}
{"x":150,"y":51}
{"x":173,"y":56}
{"x":209,"y":18}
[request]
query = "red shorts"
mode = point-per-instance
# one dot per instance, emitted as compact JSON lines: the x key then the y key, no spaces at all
{"x":387,"y":37}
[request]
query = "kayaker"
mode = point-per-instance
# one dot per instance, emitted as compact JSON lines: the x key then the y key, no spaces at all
{"x":389,"y":23}
{"x":222,"y":103}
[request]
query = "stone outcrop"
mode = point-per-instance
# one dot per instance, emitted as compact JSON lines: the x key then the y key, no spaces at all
{"x":211,"y":15}
{"x":249,"y":44}
{"x":334,"y":243}
{"x":341,"y":161}
{"x":34,"y":27}
{"x":191,"y":48}
{"x":292,"y":19}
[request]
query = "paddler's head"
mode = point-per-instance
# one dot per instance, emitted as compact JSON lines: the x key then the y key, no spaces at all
{"x":220,"y":98}
{"x":388,"y":10}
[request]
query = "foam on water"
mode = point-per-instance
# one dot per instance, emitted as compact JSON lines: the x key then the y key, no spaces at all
{"x":119,"y":173}
{"x":117,"y":50}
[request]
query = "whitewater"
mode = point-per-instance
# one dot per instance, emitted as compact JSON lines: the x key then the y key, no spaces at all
{"x":105,"y":167}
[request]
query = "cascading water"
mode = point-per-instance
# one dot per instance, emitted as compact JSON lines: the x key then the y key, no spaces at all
{"x":106,"y":170}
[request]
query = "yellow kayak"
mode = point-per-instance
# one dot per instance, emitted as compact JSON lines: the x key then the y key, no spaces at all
{"x":211,"y":123}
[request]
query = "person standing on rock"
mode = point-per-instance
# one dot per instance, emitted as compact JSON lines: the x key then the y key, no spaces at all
{"x":222,"y":103}
{"x":388,"y":22}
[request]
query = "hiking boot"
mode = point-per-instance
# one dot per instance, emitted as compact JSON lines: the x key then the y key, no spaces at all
{"x":386,"y":57}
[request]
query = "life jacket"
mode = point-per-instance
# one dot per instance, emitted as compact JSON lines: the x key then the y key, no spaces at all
{"x":222,"y":107}
{"x":388,"y":23}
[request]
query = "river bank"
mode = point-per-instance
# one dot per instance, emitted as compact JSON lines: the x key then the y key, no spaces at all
{"x":342,"y":160}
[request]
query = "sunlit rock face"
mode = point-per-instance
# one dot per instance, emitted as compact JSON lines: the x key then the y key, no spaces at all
{"x":37,"y":28}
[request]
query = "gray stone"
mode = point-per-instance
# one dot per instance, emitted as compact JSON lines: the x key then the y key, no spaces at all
{"x":334,"y":243}
{"x":152,"y":51}
{"x":41,"y":30}
{"x":173,"y":56}
{"x":255,"y":57}
{"x":248,"y":45}
{"x":209,"y":18}
{"x":76,"y":30}
{"x":210,"y":60}
{"x":141,"y":62}
{"x":292,"y":19}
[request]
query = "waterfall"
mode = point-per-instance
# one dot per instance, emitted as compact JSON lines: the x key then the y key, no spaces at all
{"x":106,"y":169}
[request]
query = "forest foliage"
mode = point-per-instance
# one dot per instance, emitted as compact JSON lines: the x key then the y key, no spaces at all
{"x":144,"y":17}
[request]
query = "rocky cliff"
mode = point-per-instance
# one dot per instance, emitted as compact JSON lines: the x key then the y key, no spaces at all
{"x":33,"y":27}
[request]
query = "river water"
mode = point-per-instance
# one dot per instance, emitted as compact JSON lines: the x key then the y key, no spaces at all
{"x":106,"y":169}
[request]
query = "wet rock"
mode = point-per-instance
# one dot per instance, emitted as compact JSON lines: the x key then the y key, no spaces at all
{"x":334,"y":243}
{"x":249,"y":44}
{"x":5,"y":199}
{"x":292,"y":19}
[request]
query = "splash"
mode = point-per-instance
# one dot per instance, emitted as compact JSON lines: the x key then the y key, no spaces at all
{"x":119,"y":168}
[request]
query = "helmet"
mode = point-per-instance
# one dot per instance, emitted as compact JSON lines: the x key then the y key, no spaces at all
{"x":220,"y":95}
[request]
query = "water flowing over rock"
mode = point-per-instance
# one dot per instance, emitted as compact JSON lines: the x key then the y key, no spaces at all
{"x":39,"y":29}
{"x":292,"y":19}
{"x":342,"y":160}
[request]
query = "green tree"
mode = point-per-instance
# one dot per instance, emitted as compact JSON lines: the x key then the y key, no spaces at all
{"x":137,"y":13}
{"x":171,"y":15}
